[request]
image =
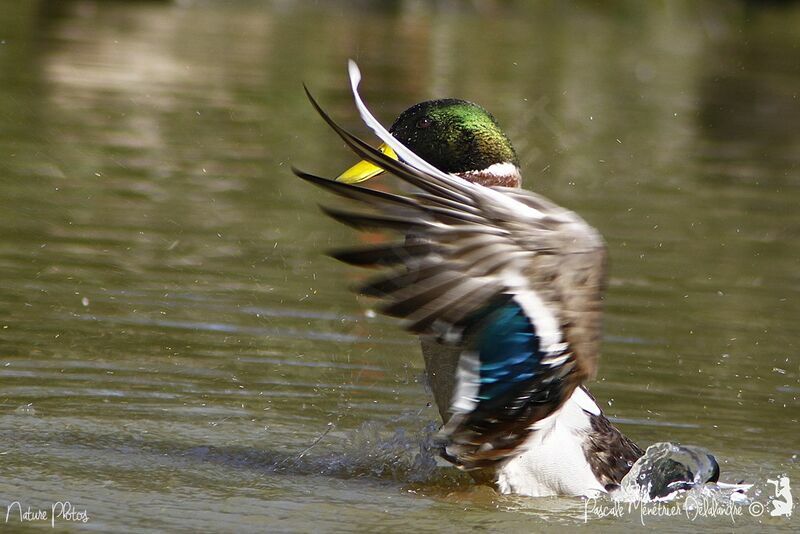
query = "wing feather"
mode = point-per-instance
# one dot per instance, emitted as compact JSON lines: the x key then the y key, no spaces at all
{"x":511,"y":278}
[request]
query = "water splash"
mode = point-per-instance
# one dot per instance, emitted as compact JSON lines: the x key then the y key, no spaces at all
{"x":667,"y":470}
{"x":402,"y":451}
{"x":405,"y":455}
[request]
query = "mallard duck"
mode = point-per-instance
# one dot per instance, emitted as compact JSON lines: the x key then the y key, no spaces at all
{"x":504,"y":288}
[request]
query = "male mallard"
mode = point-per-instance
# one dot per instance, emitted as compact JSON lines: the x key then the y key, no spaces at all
{"x":504,"y":288}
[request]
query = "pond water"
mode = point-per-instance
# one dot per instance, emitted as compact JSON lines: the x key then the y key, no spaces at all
{"x":177,"y":353}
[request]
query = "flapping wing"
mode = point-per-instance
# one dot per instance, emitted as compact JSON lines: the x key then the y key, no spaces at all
{"x":512,"y":279}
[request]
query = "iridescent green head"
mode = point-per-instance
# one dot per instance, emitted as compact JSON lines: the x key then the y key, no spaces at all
{"x":455,"y":136}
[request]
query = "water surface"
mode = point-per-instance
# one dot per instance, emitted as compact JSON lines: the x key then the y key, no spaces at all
{"x":177,"y":353}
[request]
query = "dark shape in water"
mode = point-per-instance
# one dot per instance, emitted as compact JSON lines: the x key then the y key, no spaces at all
{"x":669,"y":467}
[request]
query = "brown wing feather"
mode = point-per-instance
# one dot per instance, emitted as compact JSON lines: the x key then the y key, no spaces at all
{"x":472,"y":245}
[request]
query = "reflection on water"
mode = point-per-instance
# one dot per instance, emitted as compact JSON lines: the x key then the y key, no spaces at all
{"x":175,"y":350}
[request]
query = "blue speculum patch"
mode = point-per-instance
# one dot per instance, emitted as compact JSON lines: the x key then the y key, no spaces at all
{"x":508,"y":349}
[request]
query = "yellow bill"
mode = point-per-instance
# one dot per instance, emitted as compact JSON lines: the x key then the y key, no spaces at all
{"x":364,"y":170}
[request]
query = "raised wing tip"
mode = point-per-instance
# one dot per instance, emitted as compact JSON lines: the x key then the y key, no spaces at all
{"x":312,"y":178}
{"x":300,"y":173}
{"x":308,"y":93}
{"x":354,"y":71}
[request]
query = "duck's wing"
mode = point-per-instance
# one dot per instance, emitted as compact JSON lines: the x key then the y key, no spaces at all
{"x":514,"y":280}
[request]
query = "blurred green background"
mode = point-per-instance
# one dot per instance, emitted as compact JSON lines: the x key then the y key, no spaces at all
{"x":173,"y":340}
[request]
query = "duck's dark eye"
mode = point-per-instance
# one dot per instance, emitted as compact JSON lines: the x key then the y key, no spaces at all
{"x":424,"y":122}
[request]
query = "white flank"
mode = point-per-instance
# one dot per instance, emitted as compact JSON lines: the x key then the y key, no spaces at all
{"x":585,"y":401}
{"x":553,"y":461}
